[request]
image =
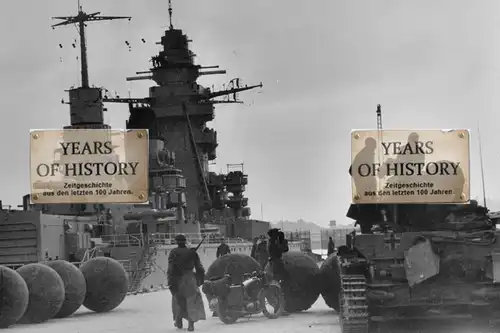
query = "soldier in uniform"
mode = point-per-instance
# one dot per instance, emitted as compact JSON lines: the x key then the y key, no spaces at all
{"x":276,"y":247}
{"x":261,"y":253}
{"x":223,"y":249}
{"x":187,"y":302}
{"x":331,"y":246}
{"x":254,"y":247}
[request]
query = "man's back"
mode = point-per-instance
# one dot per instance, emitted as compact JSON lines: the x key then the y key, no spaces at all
{"x":262,"y":247}
{"x":182,"y":258}
{"x":261,"y":253}
{"x":275,"y":248}
{"x":253,"y":251}
{"x":285,"y":246}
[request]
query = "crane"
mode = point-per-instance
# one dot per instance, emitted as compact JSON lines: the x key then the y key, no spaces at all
{"x":380,"y":137}
{"x":379,"y":120}
{"x":379,"y":117}
{"x":379,"y":131}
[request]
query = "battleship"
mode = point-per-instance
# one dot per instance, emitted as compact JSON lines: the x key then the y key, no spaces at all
{"x":185,"y":196}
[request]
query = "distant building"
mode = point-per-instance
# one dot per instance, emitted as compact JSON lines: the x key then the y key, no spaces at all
{"x":245,"y":228}
{"x":303,"y":236}
{"x":319,"y":239}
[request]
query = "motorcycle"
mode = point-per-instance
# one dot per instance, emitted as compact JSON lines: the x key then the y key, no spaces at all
{"x":233,"y":301}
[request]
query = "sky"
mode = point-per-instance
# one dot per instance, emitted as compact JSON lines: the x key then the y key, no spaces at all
{"x":324,"y":64}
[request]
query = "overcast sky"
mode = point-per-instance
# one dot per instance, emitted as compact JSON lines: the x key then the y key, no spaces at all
{"x":325,"y":66}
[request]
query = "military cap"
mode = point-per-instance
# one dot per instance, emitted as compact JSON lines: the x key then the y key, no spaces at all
{"x":273,"y":231}
{"x":180,"y":238}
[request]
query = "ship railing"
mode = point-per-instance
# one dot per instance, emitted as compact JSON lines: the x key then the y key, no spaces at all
{"x":127,"y":264}
{"x":14,"y":266}
{"x":193,"y":239}
{"x":123,"y":239}
{"x":166,"y":239}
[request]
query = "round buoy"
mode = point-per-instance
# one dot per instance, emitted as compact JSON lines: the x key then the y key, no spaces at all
{"x":235,"y":264}
{"x":46,"y":293}
{"x":14,"y":297}
{"x":107,"y":284}
{"x":303,"y":286}
{"x":330,"y":282}
{"x":75,"y":287}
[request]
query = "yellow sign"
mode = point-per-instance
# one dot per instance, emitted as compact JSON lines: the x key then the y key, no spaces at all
{"x":89,"y":166}
{"x":401,"y":166}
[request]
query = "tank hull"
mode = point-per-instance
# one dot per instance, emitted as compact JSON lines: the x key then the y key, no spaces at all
{"x":434,"y":275}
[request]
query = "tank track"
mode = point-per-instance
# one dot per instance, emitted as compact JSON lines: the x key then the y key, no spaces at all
{"x":353,"y":314}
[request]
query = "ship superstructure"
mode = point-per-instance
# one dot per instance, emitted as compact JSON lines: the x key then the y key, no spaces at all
{"x":86,"y":111}
{"x":177,"y":110}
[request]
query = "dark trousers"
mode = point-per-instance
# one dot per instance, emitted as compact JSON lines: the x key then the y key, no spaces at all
{"x":181,"y":304}
{"x":278,"y":269}
{"x":281,"y":274}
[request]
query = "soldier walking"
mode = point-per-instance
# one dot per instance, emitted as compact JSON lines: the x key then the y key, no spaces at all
{"x":223,"y":249}
{"x":183,"y":282}
{"x":331,"y":246}
{"x":261,"y":252}
{"x":276,"y":247}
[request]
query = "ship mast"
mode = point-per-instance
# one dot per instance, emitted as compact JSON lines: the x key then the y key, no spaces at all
{"x":86,"y":105}
{"x":171,"y":27}
{"x":80,"y":20}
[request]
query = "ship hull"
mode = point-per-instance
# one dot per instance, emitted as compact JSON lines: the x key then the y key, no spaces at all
{"x":28,"y":237}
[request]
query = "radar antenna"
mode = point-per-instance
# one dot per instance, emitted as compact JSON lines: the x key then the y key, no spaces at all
{"x":170,"y":14}
{"x":80,"y":19}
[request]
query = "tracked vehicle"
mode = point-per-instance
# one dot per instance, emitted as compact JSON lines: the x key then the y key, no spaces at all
{"x":438,"y":261}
